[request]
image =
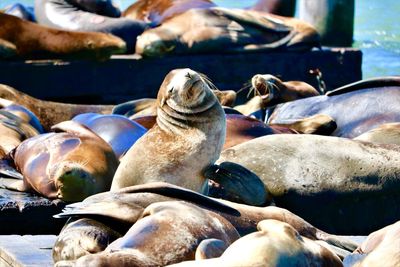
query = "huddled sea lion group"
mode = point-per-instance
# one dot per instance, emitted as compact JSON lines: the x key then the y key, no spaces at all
{"x":196,"y":176}
{"x":196,"y":185}
{"x":98,"y":29}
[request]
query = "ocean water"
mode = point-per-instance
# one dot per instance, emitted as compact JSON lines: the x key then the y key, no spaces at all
{"x":376,"y":32}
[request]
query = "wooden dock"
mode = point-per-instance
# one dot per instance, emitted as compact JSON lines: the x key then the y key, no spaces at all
{"x":24,"y":213}
{"x":128,"y":77}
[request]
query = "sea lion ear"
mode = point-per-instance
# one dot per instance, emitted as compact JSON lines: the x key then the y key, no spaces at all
{"x":237,"y":184}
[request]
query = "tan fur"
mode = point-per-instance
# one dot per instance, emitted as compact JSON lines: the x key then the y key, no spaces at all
{"x":275,"y":244}
{"x":188,"y":136}
{"x":383,"y":247}
{"x":388,"y":133}
{"x":32,"y":40}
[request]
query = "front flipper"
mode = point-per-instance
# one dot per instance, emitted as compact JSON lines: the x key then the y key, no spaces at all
{"x":236,"y":183}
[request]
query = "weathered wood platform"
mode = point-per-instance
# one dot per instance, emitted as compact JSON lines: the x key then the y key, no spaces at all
{"x":26,"y":251}
{"x":124,"y":78}
{"x":24,"y":213}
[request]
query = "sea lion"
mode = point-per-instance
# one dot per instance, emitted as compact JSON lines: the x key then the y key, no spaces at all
{"x":166,"y":233}
{"x":89,"y":16}
{"x":356,"y":108}
{"x":27,"y":37}
{"x":97,"y":236}
{"x":118,"y":131}
{"x":157,"y":12}
{"x":388,"y":133}
{"x":121,"y":209}
{"x":277,"y":91}
{"x":188,"y":137}
{"x":70,"y":165}
{"x":49,"y":113}
{"x":381,"y":248}
{"x":270,"y":90}
{"x":337,"y":176}
{"x":207,"y":30}
{"x":274,"y":244}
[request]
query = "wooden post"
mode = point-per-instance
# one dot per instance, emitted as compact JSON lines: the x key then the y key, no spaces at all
{"x":333,"y":19}
{"x":285,"y":8}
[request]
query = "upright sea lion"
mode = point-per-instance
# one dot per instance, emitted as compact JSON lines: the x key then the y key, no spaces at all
{"x":339,"y":177}
{"x":32,"y":40}
{"x":356,"y":108}
{"x":118,"y":131}
{"x":88,"y":16}
{"x":275,"y":244}
{"x":187,"y":138}
{"x":48,"y":112}
{"x":70,"y":165}
{"x":207,"y":30}
{"x":158,"y":11}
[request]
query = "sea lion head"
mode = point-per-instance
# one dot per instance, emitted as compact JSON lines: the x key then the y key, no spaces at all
{"x":72,"y":181}
{"x":186,"y":91}
{"x":266,"y":86}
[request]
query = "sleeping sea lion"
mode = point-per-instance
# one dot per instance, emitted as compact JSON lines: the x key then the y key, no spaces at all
{"x":158,"y":11}
{"x":89,"y":16}
{"x":236,"y":30}
{"x":166,"y":233}
{"x":70,"y":165}
{"x":29,"y":40}
{"x":49,"y":113}
{"x":340,"y":178}
{"x":275,"y":244}
{"x":123,"y":208}
{"x":118,"y":131}
{"x":187,"y":138}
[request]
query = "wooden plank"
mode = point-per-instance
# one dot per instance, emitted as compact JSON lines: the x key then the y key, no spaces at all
{"x":125,"y":78}
{"x":24,"y":213}
{"x":26,"y":251}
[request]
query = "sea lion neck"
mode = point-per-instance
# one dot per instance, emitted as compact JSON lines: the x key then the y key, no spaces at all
{"x":172,"y":121}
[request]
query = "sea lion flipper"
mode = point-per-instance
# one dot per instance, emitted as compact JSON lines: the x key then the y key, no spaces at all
{"x":239,"y":184}
{"x":7,"y":49}
{"x":9,"y":171}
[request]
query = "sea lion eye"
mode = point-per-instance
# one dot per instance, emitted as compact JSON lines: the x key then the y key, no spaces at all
{"x":188,"y":75}
{"x":170,"y":90}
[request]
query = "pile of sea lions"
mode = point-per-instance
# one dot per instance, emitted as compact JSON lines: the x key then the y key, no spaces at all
{"x":187,"y":179}
{"x":98,"y":29}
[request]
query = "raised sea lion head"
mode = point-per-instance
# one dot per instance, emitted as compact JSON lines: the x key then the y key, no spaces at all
{"x":266,"y":86}
{"x":186,"y":91}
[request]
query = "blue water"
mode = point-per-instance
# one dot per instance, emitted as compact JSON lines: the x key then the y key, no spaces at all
{"x":376,"y":32}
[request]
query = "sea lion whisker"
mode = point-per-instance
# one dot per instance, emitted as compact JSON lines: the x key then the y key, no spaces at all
{"x":245,"y":87}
